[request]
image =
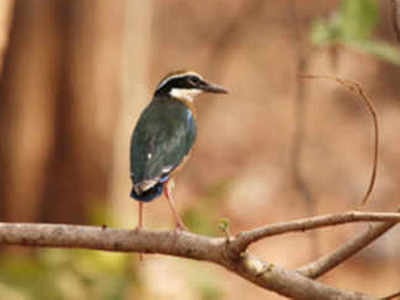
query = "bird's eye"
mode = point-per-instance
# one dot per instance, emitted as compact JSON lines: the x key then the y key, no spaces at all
{"x":194,"y":80}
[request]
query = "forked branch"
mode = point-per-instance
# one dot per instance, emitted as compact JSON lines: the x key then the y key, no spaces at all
{"x":344,"y":252}
{"x":219,"y":250}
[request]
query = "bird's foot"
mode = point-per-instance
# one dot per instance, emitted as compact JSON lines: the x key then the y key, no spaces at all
{"x":137,"y":229}
{"x":181,"y":227}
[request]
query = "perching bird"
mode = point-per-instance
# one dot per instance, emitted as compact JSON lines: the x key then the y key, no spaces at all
{"x":164,"y":136}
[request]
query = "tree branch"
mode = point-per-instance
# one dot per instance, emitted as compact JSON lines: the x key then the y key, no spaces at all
{"x":332,"y":260}
{"x":218,"y":250}
{"x":289,"y":283}
{"x":178,"y":243}
{"x":390,"y":297}
{"x":244,"y":239}
{"x":184,"y":244}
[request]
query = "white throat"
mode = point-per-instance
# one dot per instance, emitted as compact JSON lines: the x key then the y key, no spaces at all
{"x":185,"y":94}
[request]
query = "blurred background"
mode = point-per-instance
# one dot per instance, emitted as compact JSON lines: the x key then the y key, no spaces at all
{"x":75,"y":76}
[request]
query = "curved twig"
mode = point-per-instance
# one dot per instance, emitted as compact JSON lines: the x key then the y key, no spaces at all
{"x":356,"y":88}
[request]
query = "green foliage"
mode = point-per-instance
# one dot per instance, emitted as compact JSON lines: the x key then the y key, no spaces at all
{"x":325,"y":32}
{"x":381,"y":49}
{"x":358,"y":18}
{"x":353,"y":25}
{"x":224,"y":225}
{"x":68,"y":275}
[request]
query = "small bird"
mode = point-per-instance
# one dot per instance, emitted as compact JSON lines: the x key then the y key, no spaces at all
{"x":164,"y":136}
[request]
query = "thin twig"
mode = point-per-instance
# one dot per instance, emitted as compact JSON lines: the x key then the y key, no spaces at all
{"x":356,"y":88}
{"x":333,"y":259}
{"x":245,"y":238}
{"x":344,"y":252}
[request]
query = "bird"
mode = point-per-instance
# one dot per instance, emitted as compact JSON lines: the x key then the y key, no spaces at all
{"x":164,"y":136}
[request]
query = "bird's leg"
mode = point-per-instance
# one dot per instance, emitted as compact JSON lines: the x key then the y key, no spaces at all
{"x":140,"y":224}
{"x":168,"y":194}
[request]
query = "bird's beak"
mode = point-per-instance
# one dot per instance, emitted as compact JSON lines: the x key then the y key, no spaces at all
{"x":213,"y":88}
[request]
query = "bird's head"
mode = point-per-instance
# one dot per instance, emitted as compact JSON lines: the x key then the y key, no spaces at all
{"x":186,"y":85}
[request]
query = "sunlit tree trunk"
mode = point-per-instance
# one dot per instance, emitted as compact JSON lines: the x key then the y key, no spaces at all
{"x":27,"y":108}
{"x":60,"y":101}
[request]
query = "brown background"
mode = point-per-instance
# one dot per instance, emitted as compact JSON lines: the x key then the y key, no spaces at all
{"x":76,"y":74}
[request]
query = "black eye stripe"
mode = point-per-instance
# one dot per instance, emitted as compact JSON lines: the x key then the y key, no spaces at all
{"x":194,"y":79}
{"x":184,"y":82}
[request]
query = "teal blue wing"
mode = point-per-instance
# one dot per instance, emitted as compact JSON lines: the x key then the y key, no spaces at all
{"x":164,"y":135}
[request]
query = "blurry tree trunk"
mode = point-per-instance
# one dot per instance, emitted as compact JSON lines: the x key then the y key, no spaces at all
{"x":60,"y":101}
{"x":138,"y":15}
{"x":5,"y":19}
{"x":88,"y":100}
{"x":26,"y":109}
{"x":6,"y":7}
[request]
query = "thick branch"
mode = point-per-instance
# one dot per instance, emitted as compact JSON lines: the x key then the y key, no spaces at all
{"x":178,"y":243}
{"x":183,"y":243}
{"x":289,"y":283}
{"x":244,"y":239}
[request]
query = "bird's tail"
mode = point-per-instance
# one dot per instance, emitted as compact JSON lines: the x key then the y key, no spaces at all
{"x":148,"y":195}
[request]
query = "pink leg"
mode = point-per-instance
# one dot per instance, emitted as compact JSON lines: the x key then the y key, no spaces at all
{"x":140,"y":224}
{"x":168,"y":194}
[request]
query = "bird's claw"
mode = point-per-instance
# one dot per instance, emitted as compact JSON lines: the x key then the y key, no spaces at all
{"x":181,"y":227}
{"x":137,"y":229}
